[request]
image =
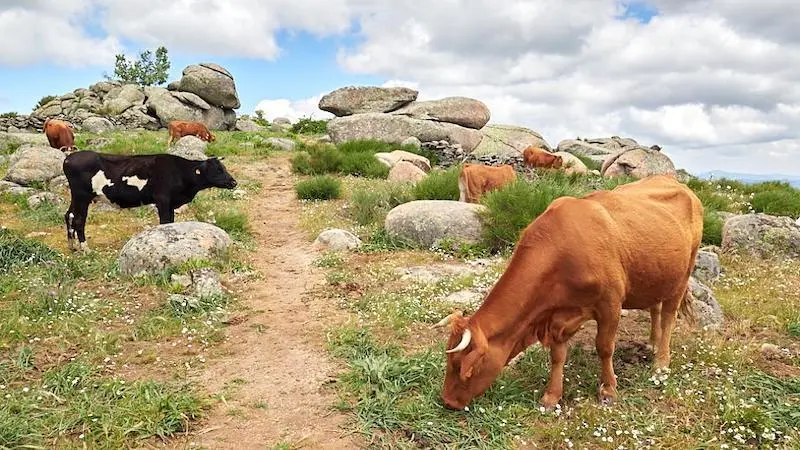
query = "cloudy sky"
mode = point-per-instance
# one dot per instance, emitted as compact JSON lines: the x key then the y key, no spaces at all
{"x":716,"y":83}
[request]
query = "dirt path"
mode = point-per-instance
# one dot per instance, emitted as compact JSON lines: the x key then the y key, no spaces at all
{"x":275,"y":365}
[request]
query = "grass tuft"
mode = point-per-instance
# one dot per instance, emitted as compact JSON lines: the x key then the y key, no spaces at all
{"x":323,"y":187}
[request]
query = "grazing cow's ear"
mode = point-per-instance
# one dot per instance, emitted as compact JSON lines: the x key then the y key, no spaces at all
{"x":473,"y":360}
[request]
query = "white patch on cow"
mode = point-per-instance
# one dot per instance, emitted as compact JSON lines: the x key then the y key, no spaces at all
{"x":99,"y":181}
{"x":85,"y":247}
{"x":197,"y":171}
{"x":135,"y":181}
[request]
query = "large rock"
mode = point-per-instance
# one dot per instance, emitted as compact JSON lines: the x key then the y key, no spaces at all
{"x":463,"y":111}
{"x":190,"y":147}
{"x":284,"y":144}
{"x":137,"y":117}
{"x":212,"y":83}
{"x":428,"y":222}
{"x":7,"y":187}
{"x":120,"y":99}
{"x":707,"y":267}
{"x":506,"y":140}
{"x":97,"y":125}
{"x":638,"y":162}
{"x":707,"y":311}
{"x":390,"y":159}
{"x":366,"y":99}
{"x":32,"y":164}
{"x":395,"y":129}
{"x":337,"y":240}
{"x":761,"y":235}
{"x":170,"y":105}
{"x":597,"y":152}
{"x":247,"y":125}
{"x":405,"y":171}
{"x":16,"y":140}
{"x":168,"y":245}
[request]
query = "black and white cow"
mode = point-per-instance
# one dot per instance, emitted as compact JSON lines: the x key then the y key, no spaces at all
{"x":168,"y":181}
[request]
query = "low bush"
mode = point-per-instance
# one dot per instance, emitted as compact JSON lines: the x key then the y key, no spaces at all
{"x":370,"y":204}
{"x":712,"y":227}
{"x":439,"y":185}
{"x":307,"y":125}
{"x":777,"y":201}
{"x":321,"y":187}
{"x":363,"y":164}
{"x":516,"y":205}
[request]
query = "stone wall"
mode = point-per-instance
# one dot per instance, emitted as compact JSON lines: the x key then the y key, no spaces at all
{"x":453,"y":154}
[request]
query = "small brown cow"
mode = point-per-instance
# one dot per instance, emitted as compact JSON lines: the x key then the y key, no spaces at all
{"x":633,"y":247}
{"x":477,"y":179}
{"x":180,"y":128}
{"x":59,"y":135}
{"x":539,"y":158}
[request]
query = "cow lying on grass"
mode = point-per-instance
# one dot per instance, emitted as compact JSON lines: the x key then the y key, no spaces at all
{"x":180,"y":128}
{"x":168,"y":181}
{"x":583,"y":259}
{"x":59,"y":135}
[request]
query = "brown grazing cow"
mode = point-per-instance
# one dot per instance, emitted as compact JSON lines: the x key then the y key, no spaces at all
{"x":540,"y":158}
{"x":180,"y":128}
{"x":633,"y":247}
{"x":59,"y":135}
{"x":477,"y":179}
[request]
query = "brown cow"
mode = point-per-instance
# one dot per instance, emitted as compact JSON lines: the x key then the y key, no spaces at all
{"x":633,"y":247}
{"x":59,"y":135}
{"x":477,"y":179}
{"x":180,"y":128}
{"x":539,"y":158}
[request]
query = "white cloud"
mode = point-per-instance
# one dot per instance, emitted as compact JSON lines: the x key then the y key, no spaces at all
{"x":292,"y":109}
{"x":714,"y":82}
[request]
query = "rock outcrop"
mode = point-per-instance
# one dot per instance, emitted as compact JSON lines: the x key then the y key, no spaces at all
{"x":762,"y":236}
{"x":351,"y":100}
{"x":34,"y":164}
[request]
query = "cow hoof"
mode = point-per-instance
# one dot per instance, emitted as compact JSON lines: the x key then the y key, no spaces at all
{"x":549,"y":401}
{"x":85,"y":248}
{"x":606,"y":396}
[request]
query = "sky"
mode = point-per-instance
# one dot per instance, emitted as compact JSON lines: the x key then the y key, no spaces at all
{"x":715,"y":83}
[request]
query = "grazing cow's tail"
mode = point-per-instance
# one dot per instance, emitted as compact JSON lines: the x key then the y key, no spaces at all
{"x":686,"y":309}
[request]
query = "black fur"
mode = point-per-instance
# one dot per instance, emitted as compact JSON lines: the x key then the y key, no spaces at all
{"x":172,"y":182}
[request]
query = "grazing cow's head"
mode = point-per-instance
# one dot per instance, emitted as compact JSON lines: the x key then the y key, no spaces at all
{"x":558,"y":162}
{"x":472,"y":365}
{"x":207,"y":136}
{"x":216,"y":174}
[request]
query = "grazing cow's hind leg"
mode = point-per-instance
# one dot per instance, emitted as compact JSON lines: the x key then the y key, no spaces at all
{"x":655,"y":326}
{"x":79,"y":210}
{"x":68,"y":220}
{"x":669,"y":314}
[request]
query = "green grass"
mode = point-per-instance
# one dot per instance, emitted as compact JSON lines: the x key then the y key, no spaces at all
{"x":363,"y":164}
{"x":514,"y":206}
{"x":777,"y":202}
{"x":439,"y":185}
{"x":76,"y":404}
{"x":17,"y":251}
{"x":323,"y":187}
{"x":348,"y":158}
{"x":369,"y":203}
{"x":590,"y":163}
{"x":712,"y":227}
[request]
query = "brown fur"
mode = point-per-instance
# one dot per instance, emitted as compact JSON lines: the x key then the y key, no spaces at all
{"x":476,"y":180}
{"x":59,"y":135}
{"x":540,"y":158}
{"x":180,"y":128}
{"x":583,"y":259}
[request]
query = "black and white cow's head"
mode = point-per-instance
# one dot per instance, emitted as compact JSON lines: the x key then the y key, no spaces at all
{"x":215,"y":174}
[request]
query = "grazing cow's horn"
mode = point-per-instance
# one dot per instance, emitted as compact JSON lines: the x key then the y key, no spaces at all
{"x":443,"y":322}
{"x":465,"y":338}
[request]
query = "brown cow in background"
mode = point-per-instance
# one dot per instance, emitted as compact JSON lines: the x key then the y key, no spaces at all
{"x":477,"y":179}
{"x":180,"y":128}
{"x":540,"y":158}
{"x":59,"y":135}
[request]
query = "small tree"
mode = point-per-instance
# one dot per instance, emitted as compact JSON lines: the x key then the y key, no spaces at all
{"x":145,"y":71}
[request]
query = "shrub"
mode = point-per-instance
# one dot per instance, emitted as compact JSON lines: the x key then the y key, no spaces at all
{"x":712,"y":227}
{"x":365,"y":146}
{"x":363,"y":164}
{"x":515,"y":205}
{"x":301,"y":163}
{"x":317,"y":160}
{"x":370,"y":204}
{"x":144,"y":71}
{"x":235,"y":223}
{"x":765,"y":186}
{"x":307,"y":125}
{"x":8,"y":115}
{"x":590,"y":163}
{"x":439,"y":185}
{"x":44,"y":100}
{"x":778,"y":202}
{"x":322,"y":187}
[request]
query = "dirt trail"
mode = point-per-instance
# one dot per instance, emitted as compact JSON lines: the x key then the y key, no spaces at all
{"x":275,"y":365}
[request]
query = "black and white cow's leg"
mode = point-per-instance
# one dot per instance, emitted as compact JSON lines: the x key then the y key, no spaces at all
{"x":166,"y":214}
{"x":69,"y":216}
{"x":80,"y":209}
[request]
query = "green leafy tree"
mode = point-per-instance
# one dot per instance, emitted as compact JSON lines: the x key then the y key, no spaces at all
{"x":149,"y":70}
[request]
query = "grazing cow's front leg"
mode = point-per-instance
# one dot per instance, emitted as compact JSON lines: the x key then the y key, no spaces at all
{"x":655,"y":326}
{"x":68,"y":221}
{"x":605,"y":342}
{"x":166,"y":214}
{"x":555,"y":387}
